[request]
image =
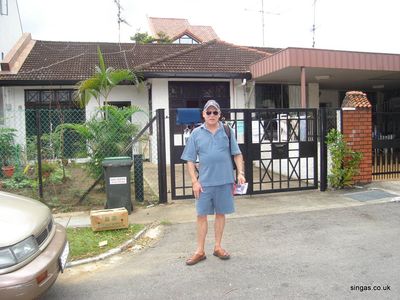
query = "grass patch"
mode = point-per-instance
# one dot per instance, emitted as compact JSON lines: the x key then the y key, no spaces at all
{"x":84,"y":242}
{"x":165,"y":222}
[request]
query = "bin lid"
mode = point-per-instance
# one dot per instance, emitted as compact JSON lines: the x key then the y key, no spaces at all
{"x":118,"y":161}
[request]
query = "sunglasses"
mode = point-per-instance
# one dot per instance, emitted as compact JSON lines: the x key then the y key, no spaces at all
{"x":215,"y":113}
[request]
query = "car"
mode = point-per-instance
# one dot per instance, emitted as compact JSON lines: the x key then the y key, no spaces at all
{"x":33,"y":248}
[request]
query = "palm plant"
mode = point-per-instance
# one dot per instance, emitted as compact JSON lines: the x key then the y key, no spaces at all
{"x":108,"y":137}
{"x":102,"y":82}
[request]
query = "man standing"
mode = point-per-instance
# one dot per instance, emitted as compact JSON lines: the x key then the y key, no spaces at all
{"x":213,"y":189}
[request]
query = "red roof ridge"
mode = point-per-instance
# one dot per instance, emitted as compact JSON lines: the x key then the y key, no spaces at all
{"x":246,"y":48}
{"x":175,"y":54}
{"x":168,"y":18}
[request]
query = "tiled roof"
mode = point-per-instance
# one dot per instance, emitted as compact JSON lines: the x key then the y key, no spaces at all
{"x":356,"y":99}
{"x":74,"y":61}
{"x":214,"y":56}
{"x":175,"y":28}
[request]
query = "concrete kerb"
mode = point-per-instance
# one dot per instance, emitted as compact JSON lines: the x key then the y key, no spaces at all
{"x":129,"y":243}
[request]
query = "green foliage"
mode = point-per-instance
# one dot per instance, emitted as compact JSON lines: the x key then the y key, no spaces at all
{"x":50,"y":145}
{"x":145,"y":38}
{"x":8,"y":148}
{"x":18,"y":181}
{"x":85,"y":243}
{"x":106,"y":137}
{"x":345,"y":162}
{"x":102,"y":82}
{"x":52,"y":173}
{"x":142,"y":38}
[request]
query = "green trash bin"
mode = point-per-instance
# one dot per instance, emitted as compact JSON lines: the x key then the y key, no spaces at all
{"x":117,"y":177}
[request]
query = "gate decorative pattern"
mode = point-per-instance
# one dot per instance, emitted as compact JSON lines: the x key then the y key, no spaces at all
{"x":279,"y":148}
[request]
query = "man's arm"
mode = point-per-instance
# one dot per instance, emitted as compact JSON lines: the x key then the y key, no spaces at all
{"x":196,"y":186}
{"x":239,"y":167}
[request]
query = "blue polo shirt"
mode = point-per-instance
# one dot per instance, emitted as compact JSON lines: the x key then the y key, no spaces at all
{"x":214,"y":157}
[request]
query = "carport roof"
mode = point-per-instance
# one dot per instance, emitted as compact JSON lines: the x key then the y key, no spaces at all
{"x":330,"y":68}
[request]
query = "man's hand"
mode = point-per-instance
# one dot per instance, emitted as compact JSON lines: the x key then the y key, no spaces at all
{"x":241,"y":179}
{"x":197,"y":189}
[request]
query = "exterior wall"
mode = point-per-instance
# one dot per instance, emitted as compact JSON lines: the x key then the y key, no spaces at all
{"x":241,"y":96}
{"x":14,"y":104}
{"x":313,"y":95}
{"x":357,"y":130}
{"x":10,"y":28}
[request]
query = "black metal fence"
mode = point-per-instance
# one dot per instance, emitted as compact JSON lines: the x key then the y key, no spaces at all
{"x":385,"y":145}
{"x":279,"y":147}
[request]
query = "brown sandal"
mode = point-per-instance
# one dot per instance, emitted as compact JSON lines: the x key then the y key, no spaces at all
{"x":197,"y":257}
{"x":221,"y":253}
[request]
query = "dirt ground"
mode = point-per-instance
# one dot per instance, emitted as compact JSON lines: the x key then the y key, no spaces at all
{"x":67,"y":196}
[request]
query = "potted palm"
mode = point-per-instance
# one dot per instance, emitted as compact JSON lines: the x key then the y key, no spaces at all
{"x":7,"y":151}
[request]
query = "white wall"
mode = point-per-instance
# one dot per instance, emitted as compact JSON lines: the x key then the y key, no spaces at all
{"x":14,"y":103}
{"x":10,"y":28}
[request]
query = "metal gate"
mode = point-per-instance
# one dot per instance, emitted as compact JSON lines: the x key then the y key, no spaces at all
{"x":279,"y":147}
{"x":386,"y":145}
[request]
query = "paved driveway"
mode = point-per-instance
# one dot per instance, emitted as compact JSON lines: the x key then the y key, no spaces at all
{"x":325,"y":254}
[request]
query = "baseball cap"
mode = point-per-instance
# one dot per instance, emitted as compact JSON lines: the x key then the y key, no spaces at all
{"x":211,"y":103}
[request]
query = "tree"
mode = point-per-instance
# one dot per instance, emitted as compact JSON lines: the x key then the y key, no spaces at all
{"x":142,"y":38}
{"x":105,"y":137}
{"x":145,"y":38}
{"x":102,"y":82}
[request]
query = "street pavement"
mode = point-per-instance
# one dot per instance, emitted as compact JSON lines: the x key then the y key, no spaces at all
{"x":298,"y":245}
{"x":322,"y":254}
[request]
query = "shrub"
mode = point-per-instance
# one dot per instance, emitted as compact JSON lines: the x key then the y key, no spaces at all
{"x":345,"y":161}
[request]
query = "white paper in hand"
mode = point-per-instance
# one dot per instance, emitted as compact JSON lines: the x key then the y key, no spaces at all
{"x":241,"y":189}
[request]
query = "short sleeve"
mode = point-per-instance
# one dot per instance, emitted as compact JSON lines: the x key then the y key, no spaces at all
{"x":189,"y":152}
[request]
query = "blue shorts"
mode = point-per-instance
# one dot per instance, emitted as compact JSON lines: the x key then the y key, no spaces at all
{"x":215,"y":200}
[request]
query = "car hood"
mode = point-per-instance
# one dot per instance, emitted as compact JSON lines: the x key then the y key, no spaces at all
{"x":20,"y":217}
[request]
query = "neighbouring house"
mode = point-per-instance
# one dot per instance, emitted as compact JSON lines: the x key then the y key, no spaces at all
{"x":43,"y":74}
{"x":10,"y":26}
{"x":180,"y":31}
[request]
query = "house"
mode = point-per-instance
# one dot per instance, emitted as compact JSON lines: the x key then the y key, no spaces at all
{"x":180,"y":31}
{"x":43,"y":74}
{"x":10,"y":26}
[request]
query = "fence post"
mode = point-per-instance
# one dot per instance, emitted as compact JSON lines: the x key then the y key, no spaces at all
{"x":248,"y":169}
{"x":138,"y":175}
{"x":323,"y":151}
{"x":161,"y":157}
{"x":39,"y":152}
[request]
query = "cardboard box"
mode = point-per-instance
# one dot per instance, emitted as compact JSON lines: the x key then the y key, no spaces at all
{"x":107,"y":219}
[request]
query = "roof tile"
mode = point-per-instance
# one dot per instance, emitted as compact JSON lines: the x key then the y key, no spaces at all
{"x":74,"y":61}
{"x":356,"y":99}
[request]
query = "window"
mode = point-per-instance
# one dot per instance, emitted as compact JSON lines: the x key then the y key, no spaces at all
{"x":49,"y":99}
{"x":185,"y":39}
{"x":4,"y":7}
{"x":195,"y":94}
{"x":272,"y":96}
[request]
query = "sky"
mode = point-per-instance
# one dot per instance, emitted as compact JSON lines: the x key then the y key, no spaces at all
{"x":355,"y":25}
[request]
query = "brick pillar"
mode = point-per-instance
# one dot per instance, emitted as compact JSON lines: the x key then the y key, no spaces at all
{"x":357,"y":131}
